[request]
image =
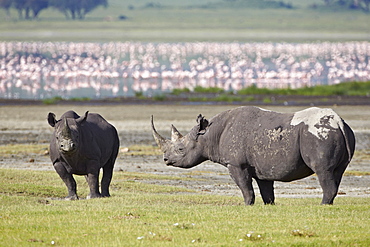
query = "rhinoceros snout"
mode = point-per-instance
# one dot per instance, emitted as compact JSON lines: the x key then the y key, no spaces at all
{"x":167,"y":161}
{"x":67,"y":146}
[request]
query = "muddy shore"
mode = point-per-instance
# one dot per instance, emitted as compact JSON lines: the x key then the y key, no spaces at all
{"x":27,"y":124}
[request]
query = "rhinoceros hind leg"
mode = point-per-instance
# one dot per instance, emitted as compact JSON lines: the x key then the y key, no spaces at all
{"x":267,"y":191}
{"x":107,"y":177}
{"x":329,"y":187}
{"x":244,"y":181}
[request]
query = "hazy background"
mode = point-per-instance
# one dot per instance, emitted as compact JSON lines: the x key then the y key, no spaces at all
{"x":126,"y":47}
{"x":196,"y":20}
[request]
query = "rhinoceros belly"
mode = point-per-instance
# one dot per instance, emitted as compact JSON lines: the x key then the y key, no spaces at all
{"x":275,"y":155}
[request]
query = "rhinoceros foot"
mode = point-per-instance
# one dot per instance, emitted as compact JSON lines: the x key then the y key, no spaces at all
{"x":92,"y":196}
{"x":71,"y":198}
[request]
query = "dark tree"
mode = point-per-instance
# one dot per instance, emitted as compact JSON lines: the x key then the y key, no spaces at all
{"x":6,"y":4}
{"x":30,"y":8}
{"x":77,"y":9}
{"x":37,"y":5}
{"x":350,"y":4}
{"x":366,"y":5}
{"x":20,"y":5}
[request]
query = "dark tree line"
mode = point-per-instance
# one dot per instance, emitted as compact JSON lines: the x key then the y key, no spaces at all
{"x":345,"y":4}
{"x":72,"y":9}
{"x":351,"y":4}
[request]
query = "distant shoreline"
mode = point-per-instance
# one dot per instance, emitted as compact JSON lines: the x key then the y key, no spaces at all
{"x":275,"y":100}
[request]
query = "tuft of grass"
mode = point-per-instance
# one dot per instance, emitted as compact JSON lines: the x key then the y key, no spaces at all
{"x":178,"y":91}
{"x":160,"y":97}
{"x":140,"y":95}
{"x":267,"y":100}
{"x":80,"y":99}
{"x":52,"y":101}
{"x":303,"y":233}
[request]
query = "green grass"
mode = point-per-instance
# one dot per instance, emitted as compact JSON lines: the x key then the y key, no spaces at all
{"x":23,"y":149}
{"x":348,"y":88}
{"x":201,"y":94}
{"x":199,"y":89}
{"x":139,"y":214}
{"x":52,"y":101}
{"x":141,"y":150}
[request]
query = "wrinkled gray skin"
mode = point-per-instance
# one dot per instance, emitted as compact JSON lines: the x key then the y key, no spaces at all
{"x":267,"y":146}
{"x":82,"y":146}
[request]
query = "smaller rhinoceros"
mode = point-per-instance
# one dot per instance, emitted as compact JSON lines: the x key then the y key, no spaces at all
{"x":82,"y":146}
{"x":267,"y":146}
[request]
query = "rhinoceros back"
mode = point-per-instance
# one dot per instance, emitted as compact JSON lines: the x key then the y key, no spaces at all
{"x":99,"y":136}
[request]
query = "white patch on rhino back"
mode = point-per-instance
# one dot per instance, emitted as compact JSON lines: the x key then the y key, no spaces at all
{"x":262,"y":109}
{"x":319,"y":121}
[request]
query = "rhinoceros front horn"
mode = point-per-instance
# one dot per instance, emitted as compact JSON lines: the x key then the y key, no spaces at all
{"x":157,"y":137}
{"x":66,"y":132}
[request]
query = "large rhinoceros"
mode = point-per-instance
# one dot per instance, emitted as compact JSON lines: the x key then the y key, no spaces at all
{"x":267,"y":146}
{"x":82,"y":146}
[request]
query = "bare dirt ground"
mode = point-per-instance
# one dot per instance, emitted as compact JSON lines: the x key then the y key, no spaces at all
{"x":22,"y":124}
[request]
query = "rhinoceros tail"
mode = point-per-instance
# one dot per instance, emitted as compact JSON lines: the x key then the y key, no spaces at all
{"x":347,"y":133}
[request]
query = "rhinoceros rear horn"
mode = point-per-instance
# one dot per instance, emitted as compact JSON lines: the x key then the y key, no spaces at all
{"x":157,"y":137}
{"x":175,"y":134}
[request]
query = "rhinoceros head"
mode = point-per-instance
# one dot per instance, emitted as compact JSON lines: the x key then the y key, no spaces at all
{"x":183,"y":151}
{"x":66,"y":132}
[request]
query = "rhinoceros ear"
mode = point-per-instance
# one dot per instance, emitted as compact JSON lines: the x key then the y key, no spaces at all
{"x":82,"y":119}
{"x":203,"y":124}
{"x":51,"y":119}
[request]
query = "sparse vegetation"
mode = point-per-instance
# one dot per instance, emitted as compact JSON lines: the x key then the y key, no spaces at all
{"x":22,"y":149}
{"x":199,"y":89}
{"x":140,"y":150}
{"x":160,"y":97}
{"x":141,"y":214}
{"x":347,"y":88}
{"x":201,"y":94}
{"x":178,"y":91}
{"x":52,"y":101}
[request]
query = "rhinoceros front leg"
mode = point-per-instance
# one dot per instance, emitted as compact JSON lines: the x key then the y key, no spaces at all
{"x":68,"y":179}
{"x":244,"y":181}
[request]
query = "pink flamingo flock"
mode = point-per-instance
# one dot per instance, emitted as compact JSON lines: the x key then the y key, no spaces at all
{"x":43,"y":70}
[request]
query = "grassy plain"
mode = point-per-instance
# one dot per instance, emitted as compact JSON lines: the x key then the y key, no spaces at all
{"x":179,"y":21}
{"x":138,"y":214}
